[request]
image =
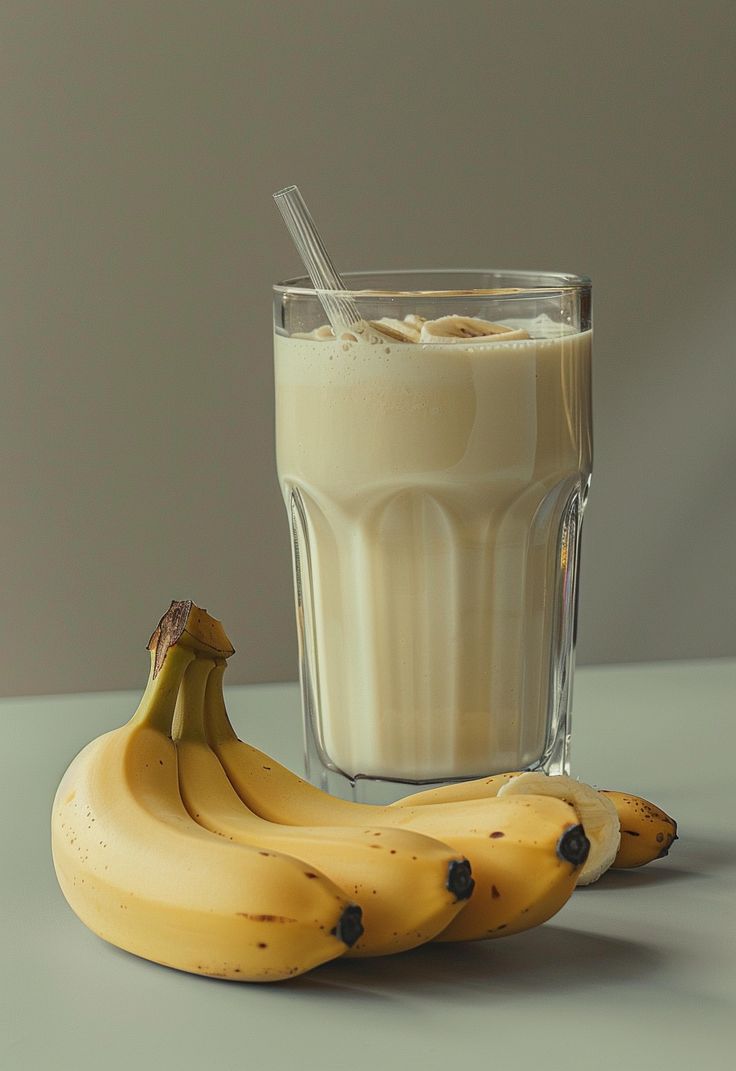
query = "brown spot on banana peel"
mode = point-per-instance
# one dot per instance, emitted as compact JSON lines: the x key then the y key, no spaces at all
{"x":265,"y":918}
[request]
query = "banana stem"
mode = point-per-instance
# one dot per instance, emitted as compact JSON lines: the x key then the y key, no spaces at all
{"x":189,"y":713}
{"x":156,"y":708}
{"x":189,"y":626}
{"x":217,"y":724}
{"x":184,"y":633}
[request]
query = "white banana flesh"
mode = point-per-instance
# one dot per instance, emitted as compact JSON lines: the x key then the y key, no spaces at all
{"x":468,"y":329}
{"x":597,"y":813}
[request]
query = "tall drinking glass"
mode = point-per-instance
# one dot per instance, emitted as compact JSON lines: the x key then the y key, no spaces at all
{"x":435,"y":492}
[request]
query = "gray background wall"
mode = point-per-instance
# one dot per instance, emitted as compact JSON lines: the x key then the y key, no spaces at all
{"x":141,"y":143}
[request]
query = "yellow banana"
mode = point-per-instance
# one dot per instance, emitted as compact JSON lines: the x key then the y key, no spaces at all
{"x":525,"y":852}
{"x":596,"y":813}
{"x":647,"y":833}
{"x":411,"y":887}
{"x":142,"y":875}
{"x":459,"y":791}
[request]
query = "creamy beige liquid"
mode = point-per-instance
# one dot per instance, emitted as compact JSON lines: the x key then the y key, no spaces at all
{"x":432,"y":483}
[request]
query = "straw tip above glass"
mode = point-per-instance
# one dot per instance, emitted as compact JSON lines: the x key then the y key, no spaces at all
{"x":284,"y":192}
{"x":339,"y":306}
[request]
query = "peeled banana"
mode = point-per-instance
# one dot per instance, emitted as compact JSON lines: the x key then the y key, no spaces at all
{"x":645,"y":831}
{"x":411,"y":887}
{"x":141,"y":874}
{"x":525,"y":852}
{"x":597,"y":814}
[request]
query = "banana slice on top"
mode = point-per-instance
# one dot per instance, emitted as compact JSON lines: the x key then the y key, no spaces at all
{"x":413,"y":319}
{"x":468,"y":329}
{"x":596,"y":812}
{"x":398,"y":330}
{"x":321,"y":332}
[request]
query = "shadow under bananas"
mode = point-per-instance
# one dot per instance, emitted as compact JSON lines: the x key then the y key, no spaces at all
{"x":544,"y":960}
{"x":550,"y":958}
{"x":640,"y":878}
{"x":698,"y":858}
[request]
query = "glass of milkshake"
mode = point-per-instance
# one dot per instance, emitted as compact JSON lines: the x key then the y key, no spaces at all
{"x":435,"y":474}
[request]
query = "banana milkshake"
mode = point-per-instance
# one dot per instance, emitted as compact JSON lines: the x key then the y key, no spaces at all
{"x":435,"y":478}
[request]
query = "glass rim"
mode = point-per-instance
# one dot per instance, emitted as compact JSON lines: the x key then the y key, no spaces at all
{"x":553,"y":283}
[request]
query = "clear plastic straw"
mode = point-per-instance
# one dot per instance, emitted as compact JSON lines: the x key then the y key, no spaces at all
{"x":341,"y":310}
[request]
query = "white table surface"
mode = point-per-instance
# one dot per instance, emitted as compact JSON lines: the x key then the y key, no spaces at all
{"x":638,"y":971}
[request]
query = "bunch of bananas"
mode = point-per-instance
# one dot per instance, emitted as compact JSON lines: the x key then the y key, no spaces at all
{"x":178,"y":842}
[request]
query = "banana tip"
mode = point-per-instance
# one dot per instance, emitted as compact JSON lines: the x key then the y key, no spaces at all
{"x":459,"y":879}
{"x":349,"y":926}
{"x":573,"y":846}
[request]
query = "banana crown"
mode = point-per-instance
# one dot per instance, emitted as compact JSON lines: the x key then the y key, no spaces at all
{"x":189,"y":626}
{"x":184,"y":634}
